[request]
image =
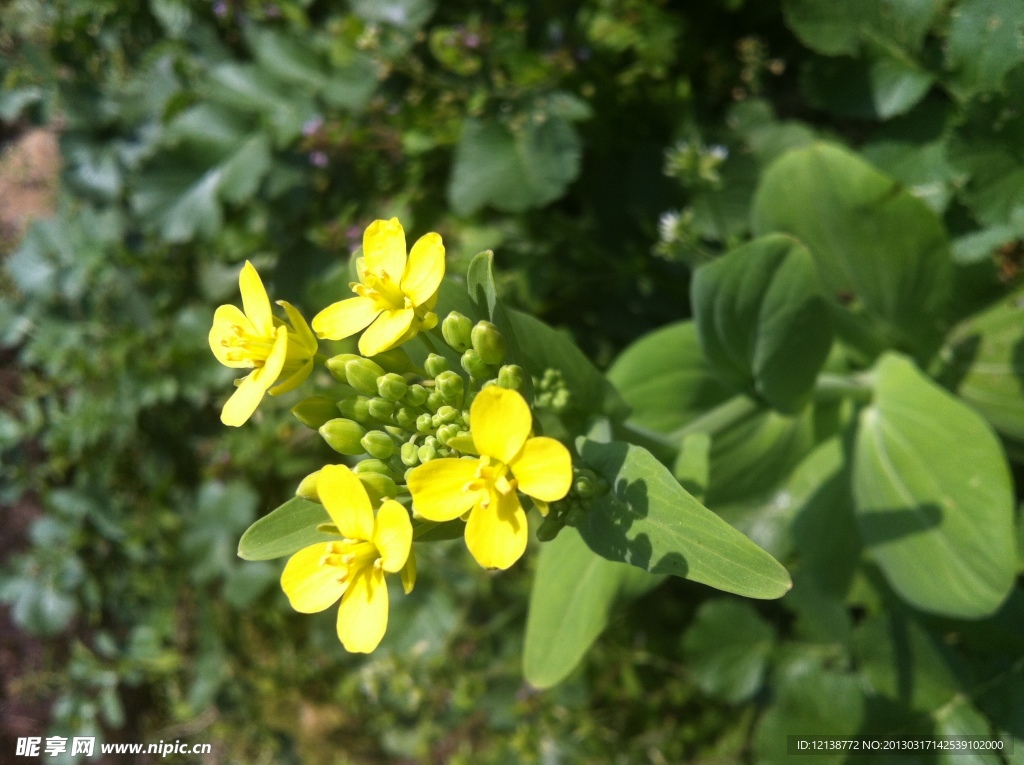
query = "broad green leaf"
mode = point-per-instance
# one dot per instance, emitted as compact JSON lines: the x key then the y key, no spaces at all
{"x":985,"y":42}
{"x":904,"y":662}
{"x":924,"y":169}
{"x":874,"y":243}
{"x":648,"y":520}
{"x":692,"y":467}
{"x":543,"y":347}
{"x":242,"y":173}
{"x":664,"y":379}
{"x":727,"y":649}
{"x":762,"y":321}
{"x":574,"y":595}
{"x":812,"y":701}
{"x":826,"y":27}
{"x":960,"y":718}
{"x":933,"y":496}
{"x":179,"y":200}
{"x":986,"y":364}
{"x":513,"y":170}
{"x":284,"y":531}
{"x":881,"y":85}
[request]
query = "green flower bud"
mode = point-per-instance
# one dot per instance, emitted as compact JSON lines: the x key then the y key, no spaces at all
{"x":586,"y":485}
{"x":380,"y":408}
{"x":378,"y":486}
{"x":406,"y":416}
{"x":307,"y":487}
{"x":450,"y":386}
{"x":396,"y":432}
{"x":336,"y":366}
{"x":457,"y":330}
{"x":550,"y":527}
{"x":575,"y":516}
{"x":447,"y":413}
{"x":416,"y":395}
{"x":424,"y":423}
{"x":435,"y":365}
{"x":371,"y":465}
{"x":446,"y":432}
{"x":315,"y":411}
{"x":489,"y":343}
{"x":511,"y":376}
{"x":431,"y":441}
{"x":378,"y":444}
{"x":392,"y":386}
{"x":475,"y":365}
{"x":409,"y":456}
{"x":362,"y":375}
{"x":427,"y":453}
{"x":355,"y":408}
{"x":343,"y":436}
{"x":434,"y":401}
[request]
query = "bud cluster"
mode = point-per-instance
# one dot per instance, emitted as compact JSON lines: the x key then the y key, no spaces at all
{"x":572,"y":510}
{"x":551,"y":392}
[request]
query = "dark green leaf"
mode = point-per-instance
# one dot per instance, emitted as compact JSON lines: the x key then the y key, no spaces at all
{"x":574,"y":594}
{"x":933,"y":496}
{"x":762,"y":321}
{"x":286,"y":530}
{"x":650,"y":521}
{"x":727,"y":649}
{"x":985,"y":41}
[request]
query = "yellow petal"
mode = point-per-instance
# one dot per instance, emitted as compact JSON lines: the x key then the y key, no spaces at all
{"x":243,"y":402}
{"x":363,"y":614}
{"x":346,"y":501}
{"x":311,"y":587}
{"x":222,"y":333}
{"x":294,"y":381}
{"x":543,"y":469}
{"x":344,"y":318}
{"x":274,"y":364}
{"x":438,"y":488}
{"x":500,"y":422}
{"x":255,"y":300}
{"x":496,"y":534}
{"x":384,"y":248}
{"x":409,"y":572}
{"x":425,"y":269}
{"x":305,"y":335}
{"x":392,"y":535}
{"x":386,"y":331}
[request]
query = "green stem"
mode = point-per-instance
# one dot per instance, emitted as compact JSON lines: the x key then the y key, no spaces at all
{"x":831,"y":387}
{"x":666,"y":445}
{"x":428,"y":342}
{"x":319,"y":358}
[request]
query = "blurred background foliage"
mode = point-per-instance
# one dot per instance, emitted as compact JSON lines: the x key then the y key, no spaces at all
{"x":603,"y":148}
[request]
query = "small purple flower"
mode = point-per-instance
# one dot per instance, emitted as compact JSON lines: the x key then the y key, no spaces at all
{"x":318,"y":158}
{"x":272,"y":11}
{"x":354,"y":235}
{"x":220,"y":9}
{"x":312,"y":125}
{"x":471,"y":40}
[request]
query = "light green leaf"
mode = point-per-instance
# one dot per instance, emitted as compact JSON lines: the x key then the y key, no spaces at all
{"x":286,"y":530}
{"x":986,"y":364}
{"x":727,"y":649}
{"x":960,"y":718}
{"x":762,"y":321}
{"x":242,"y":173}
{"x":693,"y":465}
{"x":513,"y":171}
{"x":827,"y":27}
{"x":933,"y":496}
{"x":574,"y":595}
{"x":664,"y":379}
{"x":873,"y":242}
{"x":648,"y":520}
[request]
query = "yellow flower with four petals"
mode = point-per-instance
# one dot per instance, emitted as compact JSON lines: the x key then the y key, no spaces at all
{"x":353,"y":568}
{"x":510,"y":459}
{"x":256,"y":339}
{"x":395,"y":294}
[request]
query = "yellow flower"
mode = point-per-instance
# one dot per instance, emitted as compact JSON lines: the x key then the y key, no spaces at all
{"x":352,"y":569}
{"x":510,"y":459}
{"x":395,"y":294}
{"x":256,"y":339}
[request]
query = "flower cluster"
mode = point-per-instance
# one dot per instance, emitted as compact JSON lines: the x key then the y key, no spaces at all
{"x":436,"y":432}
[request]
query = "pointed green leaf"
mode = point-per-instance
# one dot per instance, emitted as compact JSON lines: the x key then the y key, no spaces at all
{"x":574,"y":594}
{"x":284,"y":531}
{"x":648,"y":520}
{"x":762,"y":320}
{"x":933,"y":496}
